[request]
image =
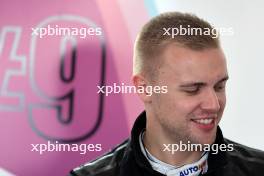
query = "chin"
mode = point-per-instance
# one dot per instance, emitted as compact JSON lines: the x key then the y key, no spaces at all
{"x":204,"y":138}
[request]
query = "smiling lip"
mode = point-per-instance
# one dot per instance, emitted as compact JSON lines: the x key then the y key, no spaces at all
{"x":205,"y":124}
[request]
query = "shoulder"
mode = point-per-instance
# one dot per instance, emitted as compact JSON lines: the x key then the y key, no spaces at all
{"x":246,"y":157}
{"x":105,"y":165}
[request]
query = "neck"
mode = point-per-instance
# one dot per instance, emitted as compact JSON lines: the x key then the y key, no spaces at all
{"x":154,"y":143}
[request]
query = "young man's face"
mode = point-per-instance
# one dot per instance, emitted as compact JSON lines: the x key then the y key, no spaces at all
{"x":194,"y":104}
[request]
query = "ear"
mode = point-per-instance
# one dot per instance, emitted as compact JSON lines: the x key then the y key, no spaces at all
{"x":140,"y":82}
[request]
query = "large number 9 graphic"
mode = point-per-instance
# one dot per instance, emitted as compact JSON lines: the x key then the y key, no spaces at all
{"x":64,"y":74}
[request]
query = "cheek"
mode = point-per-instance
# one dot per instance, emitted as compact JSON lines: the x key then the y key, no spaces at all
{"x":187,"y":105}
{"x":163,"y":100}
{"x":176,"y":104}
{"x":222,"y":101}
{"x":164,"y":104}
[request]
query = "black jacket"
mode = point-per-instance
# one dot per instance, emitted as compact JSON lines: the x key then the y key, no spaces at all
{"x":128,"y":160}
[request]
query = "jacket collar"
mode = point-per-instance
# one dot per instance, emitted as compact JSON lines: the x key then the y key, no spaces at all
{"x":215,"y":161}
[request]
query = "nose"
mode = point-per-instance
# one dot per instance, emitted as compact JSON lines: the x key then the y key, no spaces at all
{"x":210,"y":102}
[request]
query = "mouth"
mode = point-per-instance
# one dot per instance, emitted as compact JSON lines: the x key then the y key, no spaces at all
{"x":205,"y":124}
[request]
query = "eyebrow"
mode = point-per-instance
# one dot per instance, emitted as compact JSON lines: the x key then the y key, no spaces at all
{"x":200,"y":84}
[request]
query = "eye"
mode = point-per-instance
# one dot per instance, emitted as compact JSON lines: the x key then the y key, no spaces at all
{"x":192,"y":90}
{"x":220,"y":87}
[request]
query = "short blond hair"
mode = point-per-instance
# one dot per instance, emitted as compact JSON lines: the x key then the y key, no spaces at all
{"x":151,"y":40}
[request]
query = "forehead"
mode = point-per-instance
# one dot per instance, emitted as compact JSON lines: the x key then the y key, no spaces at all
{"x":184,"y":64}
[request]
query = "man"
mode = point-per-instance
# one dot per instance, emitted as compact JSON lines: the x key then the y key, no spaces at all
{"x":193,"y":67}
